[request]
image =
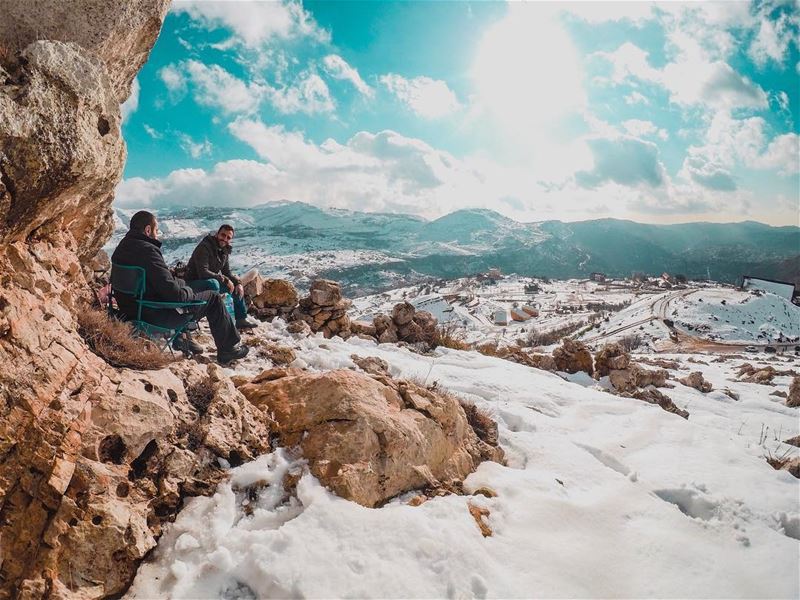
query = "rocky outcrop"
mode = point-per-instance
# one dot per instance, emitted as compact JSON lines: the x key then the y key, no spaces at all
{"x":762,"y":375}
{"x":119,"y":34}
{"x":108,"y":463}
{"x":370,"y":438}
{"x":405,"y":324}
{"x":269,"y":298}
{"x":629,"y":380}
{"x":611,"y":357}
{"x":572,"y":356}
{"x":93,"y":459}
{"x":325,"y":310}
{"x":695,"y":380}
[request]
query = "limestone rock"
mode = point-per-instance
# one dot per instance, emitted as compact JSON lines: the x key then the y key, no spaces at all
{"x":61,"y":119}
{"x":121,"y":34}
{"x":371,"y":364}
{"x":611,"y":357}
{"x":363,"y":328}
{"x":635,"y":377}
{"x":402,"y":313}
{"x":324,"y":292}
{"x":93,"y":459}
{"x":695,"y":380}
{"x":389,"y":336}
{"x":299,"y":328}
{"x":572,"y":357}
{"x":278,"y":292}
{"x":370,"y":440}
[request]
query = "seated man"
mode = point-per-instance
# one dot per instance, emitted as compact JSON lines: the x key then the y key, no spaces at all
{"x":208,"y":269}
{"x":140,"y":248}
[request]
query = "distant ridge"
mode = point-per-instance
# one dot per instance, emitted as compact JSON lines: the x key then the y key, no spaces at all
{"x":469,"y":241}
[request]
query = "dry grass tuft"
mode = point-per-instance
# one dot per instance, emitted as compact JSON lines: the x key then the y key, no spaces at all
{"x":449,"y":336}
{"x":117,"y":343}
{"x":200,"y":395}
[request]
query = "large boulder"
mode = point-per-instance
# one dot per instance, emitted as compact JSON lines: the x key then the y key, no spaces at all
{"x":403,"y":313}
{"x":635,"y":377}
{"x":572,"y":356}
{"x":695,"y":380}
{"x":371,"y":438}
{"x":611,"y":357}
{"x":325,"y":292}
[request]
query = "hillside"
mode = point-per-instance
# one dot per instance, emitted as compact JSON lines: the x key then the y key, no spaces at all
{"x":370,"y":252}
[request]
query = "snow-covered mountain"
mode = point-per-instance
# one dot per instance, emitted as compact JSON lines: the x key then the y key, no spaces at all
{"x":373,"y":251}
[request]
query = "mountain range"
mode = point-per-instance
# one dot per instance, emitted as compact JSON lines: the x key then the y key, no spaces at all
{"x":368,"y":252}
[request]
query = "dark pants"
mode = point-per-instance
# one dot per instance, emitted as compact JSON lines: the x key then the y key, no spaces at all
{"x":201,"y":285}
{"x":222,"y":328}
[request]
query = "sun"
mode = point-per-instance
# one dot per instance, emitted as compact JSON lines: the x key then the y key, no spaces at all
{"x":527,"y":72}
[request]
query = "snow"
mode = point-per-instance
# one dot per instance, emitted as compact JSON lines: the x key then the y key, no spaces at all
{"x":602,"y":496}
{"x":738,"y":316}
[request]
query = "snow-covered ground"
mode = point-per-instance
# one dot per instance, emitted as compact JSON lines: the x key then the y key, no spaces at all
{"x":716,"y":314}
{"x":472,"y":303}
{"x":602,"y":497}
{"x":737,"y":316}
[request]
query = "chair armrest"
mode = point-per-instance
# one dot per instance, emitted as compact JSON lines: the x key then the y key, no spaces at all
{"x":156,"y":304}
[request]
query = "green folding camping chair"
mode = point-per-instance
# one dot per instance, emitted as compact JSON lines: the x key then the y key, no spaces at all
{"x":130,"y":280}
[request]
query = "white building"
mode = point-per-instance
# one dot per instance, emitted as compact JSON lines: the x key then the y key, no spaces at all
{"x":779,"y":288}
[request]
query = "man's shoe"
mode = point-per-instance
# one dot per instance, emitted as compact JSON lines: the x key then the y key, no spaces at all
{"x":184,"y":343}
{"x":235,"y":353}
{"x":245,"y":324}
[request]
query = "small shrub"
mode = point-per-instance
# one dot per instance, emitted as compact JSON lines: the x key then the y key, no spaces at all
{"x":449,"y":336}
{"x":117,"y":343}
{"x":200,"y":395}
{"x":629,"y":343}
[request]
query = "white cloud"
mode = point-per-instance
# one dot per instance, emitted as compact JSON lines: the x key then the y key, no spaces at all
{"x":429,"y":98}
{"x":782,"y":154}
{"x":310,"y":94}
{"x":174,"y":80}
{"x":730,"y":143}
{"x":774,"y":38}
{"x":152,"y":132}
{"x":338,"y":68}
{"x":192,"y":148}
{"x":692,"y":79}
{"x":215,"y":87}
{"x":255,"y":23}
{"x":636,"y":98}
{"x":602,"y":12}
{"x":639,"y":128}
{"x":132,"y":103}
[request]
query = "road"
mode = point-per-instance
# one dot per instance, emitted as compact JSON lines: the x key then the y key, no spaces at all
{"x":681,"y":340}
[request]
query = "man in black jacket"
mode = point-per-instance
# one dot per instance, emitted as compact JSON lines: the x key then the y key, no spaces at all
{"x":209,"y":269}
{"x":141,"y":248}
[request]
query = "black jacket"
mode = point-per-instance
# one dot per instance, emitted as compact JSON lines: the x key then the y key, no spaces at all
{"x":209,"y":261}
{"x":138,"y":250}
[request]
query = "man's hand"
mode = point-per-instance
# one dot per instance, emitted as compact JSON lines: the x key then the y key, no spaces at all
{"x":239,"y":290}
{"x":230,"y":285}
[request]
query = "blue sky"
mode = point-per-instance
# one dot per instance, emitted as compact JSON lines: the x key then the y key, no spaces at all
{"x":656,"y":112}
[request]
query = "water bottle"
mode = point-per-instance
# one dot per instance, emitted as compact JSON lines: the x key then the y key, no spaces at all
{"x":228,"y":299}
